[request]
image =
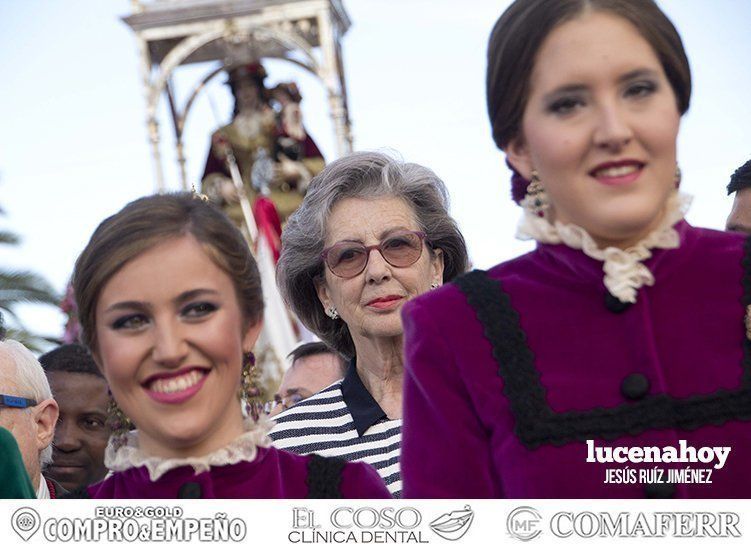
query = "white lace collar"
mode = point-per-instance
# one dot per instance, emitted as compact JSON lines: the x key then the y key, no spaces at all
{"x":624,"y":271}
{"x":243,"y":448}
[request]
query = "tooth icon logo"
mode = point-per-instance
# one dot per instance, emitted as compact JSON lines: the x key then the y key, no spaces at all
{"x":25,"y":522}
{"x":454,"y":525}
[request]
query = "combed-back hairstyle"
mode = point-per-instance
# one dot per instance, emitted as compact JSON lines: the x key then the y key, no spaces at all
{"x":309,"y":349}
{"x":523,"y":27}
{"x":148,"y":221}
{"x":70,"y":358}
{"x":359,"y":175}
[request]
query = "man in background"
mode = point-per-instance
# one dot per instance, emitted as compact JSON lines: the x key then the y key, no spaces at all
{"x":740,"y":216}
{"x":314,"y":366}
{"x":82,"y":433}
{"x":29,"y":412}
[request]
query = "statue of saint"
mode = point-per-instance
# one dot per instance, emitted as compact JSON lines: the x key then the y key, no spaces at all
{"x":274,"y":154}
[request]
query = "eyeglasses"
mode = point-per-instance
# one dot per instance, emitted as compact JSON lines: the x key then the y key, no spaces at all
{"x":9,"y":401}
{"x":286,"y":402}
{"x":347,"y":259}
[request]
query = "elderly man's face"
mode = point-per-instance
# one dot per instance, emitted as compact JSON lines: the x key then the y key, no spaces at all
{"x":33,"y":428}
{"x":740,"y":216}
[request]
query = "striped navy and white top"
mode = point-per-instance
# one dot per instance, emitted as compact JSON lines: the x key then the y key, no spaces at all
{"x":344,"y":420}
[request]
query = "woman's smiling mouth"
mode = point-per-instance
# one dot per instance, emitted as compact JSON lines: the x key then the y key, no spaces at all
{"x":176,"y":387}
{"x":617,"y":173}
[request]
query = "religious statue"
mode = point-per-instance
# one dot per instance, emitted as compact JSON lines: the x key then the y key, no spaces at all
{"x":276,"y":158}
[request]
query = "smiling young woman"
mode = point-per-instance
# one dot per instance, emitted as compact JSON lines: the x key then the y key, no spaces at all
{"x":170,"y":305}
{"x":625,"y":325}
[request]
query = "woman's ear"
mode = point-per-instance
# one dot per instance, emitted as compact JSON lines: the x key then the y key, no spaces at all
{"x":436,"y":267}
{"x":323,"y":293}
{"x":251,"y":335}
{"x":517,"y":153}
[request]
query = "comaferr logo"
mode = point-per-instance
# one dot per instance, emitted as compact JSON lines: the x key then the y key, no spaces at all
{"x":524,"y":523}
{"x":640,"y":524}
{"x":454,"y":525}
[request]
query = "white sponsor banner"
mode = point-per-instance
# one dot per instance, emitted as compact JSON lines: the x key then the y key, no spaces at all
{"x":373,"y":522}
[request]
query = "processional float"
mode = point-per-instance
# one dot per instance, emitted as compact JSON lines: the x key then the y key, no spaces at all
{"x":235,"y":36}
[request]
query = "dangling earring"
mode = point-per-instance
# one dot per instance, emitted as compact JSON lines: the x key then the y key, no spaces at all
{"x":434,"y":285}
{"x":332,"y":313}
{"x":118,"y":423}
{"x":250,"y":394}
{"x":536,"y":199}
{"x":678,"y":176}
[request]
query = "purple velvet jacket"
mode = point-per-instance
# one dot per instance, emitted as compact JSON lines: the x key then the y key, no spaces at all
{"x":508,"y":375}
{"x":273,"y":474}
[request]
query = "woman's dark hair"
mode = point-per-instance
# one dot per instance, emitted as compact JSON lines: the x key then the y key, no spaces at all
{"x":148,"y":221}
{"x":523,"y":27}
{"x":741,"y":178}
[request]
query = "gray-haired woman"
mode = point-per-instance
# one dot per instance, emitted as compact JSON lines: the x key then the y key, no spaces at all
{"x":372,"y":233}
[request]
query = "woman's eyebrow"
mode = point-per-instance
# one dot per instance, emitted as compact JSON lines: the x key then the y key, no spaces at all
{"x":381,"y":236}
{"x":392,"y":230}
{"x":132,"y":305}
{"x":193,"y":293}
{"x":564,"y":89}
{"x":635,"y":74}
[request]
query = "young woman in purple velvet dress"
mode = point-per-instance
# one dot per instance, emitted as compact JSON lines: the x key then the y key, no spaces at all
{"x":170,"y":304}
{"x":547,"y":376}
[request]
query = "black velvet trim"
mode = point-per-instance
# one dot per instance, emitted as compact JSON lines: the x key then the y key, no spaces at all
{"x":325,"y":477}
{"x":537,"y":424}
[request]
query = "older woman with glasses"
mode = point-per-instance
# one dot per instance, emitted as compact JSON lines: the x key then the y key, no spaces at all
{"x":371,"y":234}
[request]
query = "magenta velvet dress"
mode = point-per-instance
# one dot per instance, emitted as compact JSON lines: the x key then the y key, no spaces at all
{"x":273,"y":474}
{"x":509,"y":374}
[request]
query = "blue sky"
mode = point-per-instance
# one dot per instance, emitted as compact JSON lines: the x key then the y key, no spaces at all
{"x":73,"y":145}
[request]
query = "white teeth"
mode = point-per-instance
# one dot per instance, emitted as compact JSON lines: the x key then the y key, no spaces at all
{"x":616,"y":171}
{"x":175,"y":385}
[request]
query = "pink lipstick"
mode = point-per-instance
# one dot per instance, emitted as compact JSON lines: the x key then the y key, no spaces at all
{"x":617,"y":172}
{"x":177,"y":387}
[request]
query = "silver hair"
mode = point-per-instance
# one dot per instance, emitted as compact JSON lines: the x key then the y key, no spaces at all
{"x":359,"y":175}
{"x":30,"y":381}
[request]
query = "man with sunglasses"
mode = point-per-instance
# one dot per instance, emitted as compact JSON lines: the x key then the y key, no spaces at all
{"x":28,"y":411}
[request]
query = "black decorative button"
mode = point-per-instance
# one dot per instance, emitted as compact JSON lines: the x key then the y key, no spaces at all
{"x":635,"y":386}
{"x":615,"y":305}
{"x":191,"y":490}
{"x":659,"y":491}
